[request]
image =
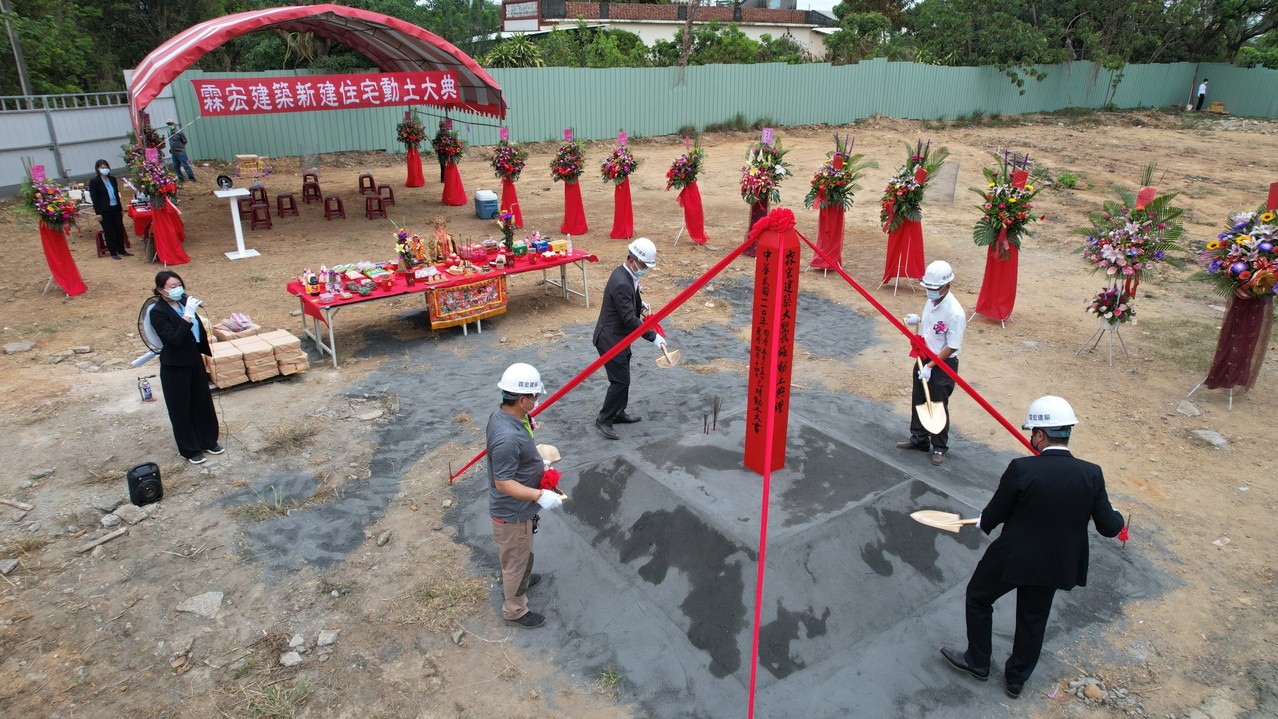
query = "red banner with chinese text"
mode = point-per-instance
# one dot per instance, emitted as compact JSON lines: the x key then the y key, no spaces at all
{"x":257,"y":95}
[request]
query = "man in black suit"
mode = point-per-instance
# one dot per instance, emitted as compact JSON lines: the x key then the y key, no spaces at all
{"x":620,"y":314}
{"x":1044,"y":503}
{"x":104,"y":191}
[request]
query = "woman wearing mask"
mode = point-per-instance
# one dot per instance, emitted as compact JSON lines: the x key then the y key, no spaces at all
{"x":108,"y":209}
{"x":182,"y":377}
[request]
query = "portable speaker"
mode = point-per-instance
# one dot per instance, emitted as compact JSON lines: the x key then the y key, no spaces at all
{"x":144,"y":484}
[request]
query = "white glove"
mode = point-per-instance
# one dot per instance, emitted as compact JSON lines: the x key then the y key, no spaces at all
{"x":550,"y":499}
{"x":925,"y":374}
{"x":192,"y":305}
{"x":647,"y":309}
{"x":660,"y":342}
{"x":912,"y":320}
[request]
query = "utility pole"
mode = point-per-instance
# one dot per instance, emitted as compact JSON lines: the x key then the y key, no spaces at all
{"x":17,"y":48}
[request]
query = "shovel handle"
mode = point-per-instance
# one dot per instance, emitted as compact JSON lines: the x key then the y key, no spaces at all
{"x":667,"y":354}
{"x":927,"y":394}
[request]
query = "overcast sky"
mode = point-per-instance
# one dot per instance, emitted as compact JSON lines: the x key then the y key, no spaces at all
{"x":825,"y":6}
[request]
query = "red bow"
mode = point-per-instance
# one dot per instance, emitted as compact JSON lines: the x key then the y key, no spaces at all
{"x":550,"y":479}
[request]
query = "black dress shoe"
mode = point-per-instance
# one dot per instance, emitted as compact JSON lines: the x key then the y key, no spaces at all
{"x":958,"y":660}
{"x":1013,"y":689}
{"x":126,"y":253}
{"x":114,"y":256}
{"x":531,"y":620}
{"x":534,"y":579}
{"x":623,"y":418}
{"x":911,"y":444}
{"x":605,"y":428}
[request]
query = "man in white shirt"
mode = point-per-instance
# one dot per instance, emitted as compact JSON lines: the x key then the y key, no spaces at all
{"x":941,"y":327}
{"x":1202,"y":95}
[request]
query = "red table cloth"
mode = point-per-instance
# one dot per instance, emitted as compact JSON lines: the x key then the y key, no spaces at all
{"x":169,"y":234}
{"x":141,"y":217}
{"x":905,"y":252}
{"x":416,"y":178}
{"x":510,"y":201}
{"x":829,"y":237}
{"x":623,"y":214}
{"x":574,"y":213}
{"x":61,"y":264}
{"x":454,"y":191}
{"x":694,"y":217}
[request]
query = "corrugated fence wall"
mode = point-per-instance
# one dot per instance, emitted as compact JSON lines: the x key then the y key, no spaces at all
{"x":660,"y":101}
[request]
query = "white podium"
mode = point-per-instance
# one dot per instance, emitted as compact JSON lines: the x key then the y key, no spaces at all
{"x":240,"y":253}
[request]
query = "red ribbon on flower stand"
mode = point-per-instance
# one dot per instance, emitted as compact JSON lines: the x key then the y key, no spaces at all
{"x":169,"y":232}
{"x":454,"y":191}
{"x":416,"y":178}
{"x":61,"y":264}
{"x":1002,"y":261}
{"x":510,"y":201}
{"x":758,"y":211}
{"x":1244,"y":338}
{"x":694,"y":217}
{"x":574,"y":213}
{"x":623,"y":215}
{"x":904,"y":252}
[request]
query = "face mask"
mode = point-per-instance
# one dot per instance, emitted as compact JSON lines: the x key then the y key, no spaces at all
{"x":933,"y":294}
{"x":641,"y":272}
{"x":104,"y":171}
{"x":176,"y":294}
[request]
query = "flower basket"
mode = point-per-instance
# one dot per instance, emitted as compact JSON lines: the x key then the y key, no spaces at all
{"x":448,"y":146}
{"x":618,"y":165}
{"x":410,"y":133}
{"x":763,"y":173}
{"x":508,"y":160}
{"x":568,"y":163}
{"x":903,"y":196}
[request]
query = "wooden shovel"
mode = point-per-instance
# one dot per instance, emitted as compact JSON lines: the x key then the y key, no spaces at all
{"x":669,"y":359}
{"x":942,"y":520}
{"x":931,"y":414}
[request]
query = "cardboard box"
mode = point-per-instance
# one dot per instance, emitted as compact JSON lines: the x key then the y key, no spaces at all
{"x":260,"y":373}
{"x":255,"y":364}
{"x":230,"y":382}
{"x":288,"y":368}
{"x":225,"y":335}
{"x":290,"y":355}
{"x":283,"y":341}
{"x":254,"y":348}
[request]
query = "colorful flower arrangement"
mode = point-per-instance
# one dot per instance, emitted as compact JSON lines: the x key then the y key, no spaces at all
{"x":506,"y":222}
{"x":157,"y":181}
{"x":568,"y":162}
{"x":763,"y":173}
{"x":1132,"y":236}
{"x":135,"y":150}
{"x":410,"y":132}
{"x":618,"y":165}
{"x":1113,"y":306}
{"x":448,"y":145}
{"x":1241,"y":260}
{"x":1005,"y":206}
{"x":684,"y":170}
{"x":508,"y":160}
{"x":51,"y":205}
{"x":835,"y":183}
{"x":903,"y":196}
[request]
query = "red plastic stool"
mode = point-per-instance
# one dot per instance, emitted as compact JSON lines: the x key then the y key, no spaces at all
{"x":373,"y":206}
{"x":245,"y":205}
{"x":99,"y":239}
{"x":285,"y":204}
{"x":387,"y":194}
{"x":258,"y":193}
{"x":310,"y":177}
{"x":366,"y":184}
{"x":261,"y":215}
{"x":311,"y":192}
{"x":334,"y":207}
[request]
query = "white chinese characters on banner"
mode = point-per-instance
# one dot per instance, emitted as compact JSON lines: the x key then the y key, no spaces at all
{"x":240,"y":96}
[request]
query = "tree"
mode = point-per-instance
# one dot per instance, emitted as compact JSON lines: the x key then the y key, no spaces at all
{"x":1001,"y":33}
{"x":518,"y":51}
{"x":712,"y":43}
{"x":860,"y":35}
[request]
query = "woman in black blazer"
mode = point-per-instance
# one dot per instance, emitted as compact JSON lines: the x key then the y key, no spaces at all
{"x":182,"y":377}
{"x":108,"y":208}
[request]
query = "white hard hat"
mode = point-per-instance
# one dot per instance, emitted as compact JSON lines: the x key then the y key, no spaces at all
{"x":938,"y":275}
{"x":1050,"y":413}
{"x":644,"y":251}
{"x":521,"y":378}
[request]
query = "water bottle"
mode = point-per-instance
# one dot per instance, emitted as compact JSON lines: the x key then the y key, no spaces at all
{"x":144,"y":388}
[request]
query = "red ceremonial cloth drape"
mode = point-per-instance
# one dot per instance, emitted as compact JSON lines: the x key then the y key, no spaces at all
{"x":998,"y":289}
{"x":829,"y":236}
{"x":623,"y":215}
{"x":454,"y":192}
{"x":510,"y":201}
{"x":905,"y":252}
{"x":574,"y":214}
{"x":758,"y":211}
{"x":61,"y":264}
{"x":169,"y":234}
{"x":694,"y":218}
{"x":416,"y":178}
{"x":1244,"y":337}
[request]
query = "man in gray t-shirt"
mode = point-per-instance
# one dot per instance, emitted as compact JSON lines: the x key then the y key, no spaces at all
{"x":515,"y":496}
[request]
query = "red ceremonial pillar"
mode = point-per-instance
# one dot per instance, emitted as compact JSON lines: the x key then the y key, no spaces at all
{"x":694,"y":217}
{"x":510,"y":201}
{"x":416,"y":178}
{"x":61,"y":264}
{"x":998,"y":288}
{"x":905,"y":252}
{"x":776,"y":296}
{"x":574,"y":213}
{"x":623,"y":215}
{"x":454,"y":192}
{"x":829,"y":236}
{"x":169,"y":233}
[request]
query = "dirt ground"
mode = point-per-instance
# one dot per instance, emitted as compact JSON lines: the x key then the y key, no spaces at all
{"x":98,"y":634}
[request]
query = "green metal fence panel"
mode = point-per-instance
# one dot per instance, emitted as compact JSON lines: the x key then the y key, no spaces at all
{"x":661,"y":101}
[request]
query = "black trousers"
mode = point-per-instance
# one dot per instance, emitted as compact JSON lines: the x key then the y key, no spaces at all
{"x":941,"y":386}
{"x":113,"y":230}
{"x":442,"y":164}
{"x":1033,"y":606}
{"x":190,"y":405}
{"x":618,"y":369}
{"x":1201,"y":100}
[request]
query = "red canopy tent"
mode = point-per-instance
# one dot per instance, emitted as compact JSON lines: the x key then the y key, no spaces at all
{"x":392,"y":44}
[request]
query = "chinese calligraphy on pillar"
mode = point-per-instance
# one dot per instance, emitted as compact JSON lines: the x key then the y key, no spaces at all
{"x":776,"y":293}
